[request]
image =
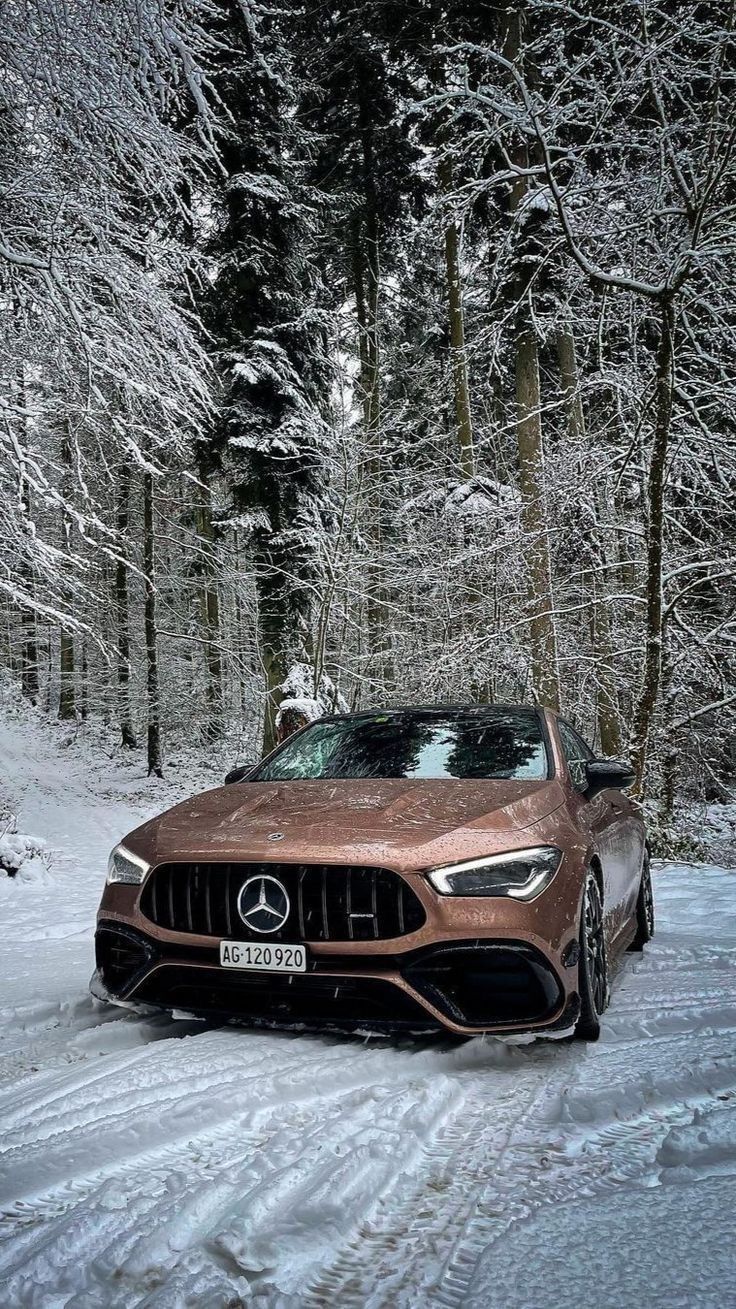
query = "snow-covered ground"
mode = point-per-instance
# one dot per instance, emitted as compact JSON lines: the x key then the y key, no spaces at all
{"x":160,"y":1163}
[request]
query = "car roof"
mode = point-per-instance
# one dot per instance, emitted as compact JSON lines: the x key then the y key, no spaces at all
{"x":436,"y":709}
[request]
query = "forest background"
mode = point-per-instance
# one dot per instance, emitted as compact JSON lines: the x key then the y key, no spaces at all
{"x":367,"y":353}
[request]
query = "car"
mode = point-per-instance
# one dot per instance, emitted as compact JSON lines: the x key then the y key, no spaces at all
{"x":465,"y":869}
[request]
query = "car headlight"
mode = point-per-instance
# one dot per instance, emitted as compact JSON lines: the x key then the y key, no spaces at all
{"x":521,"y":874}
{"x":124,"y":866}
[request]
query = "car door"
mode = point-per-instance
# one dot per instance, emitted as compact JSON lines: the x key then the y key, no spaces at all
{"x":605,"y":819}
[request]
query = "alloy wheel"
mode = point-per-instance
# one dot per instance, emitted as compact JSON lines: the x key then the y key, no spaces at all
{"x":595,"y":947}
{"x":644,"y":908}
{"x":647,"y":895}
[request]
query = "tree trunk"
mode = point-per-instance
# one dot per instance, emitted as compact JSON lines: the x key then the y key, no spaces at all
{"x":67,"y":697}
{"x":672,"y":753}
{"x":367,"y":285}
{"x":570,"y":380}
{"x":275,"y":666}
{"x":545,"y":679}
{"x":84,"y":682}
{"x":29,"y":659}
{"x":209,"y":607}
{"x":29,"y":643}
{"x":542,"y":636}
{"x":458,"y":354}
{"x":122,"y":614}
{"x":240,"y":652}
{"x":646,"y":705}
{"x":607,"y":709}
{"x":67,"y":700}
{"x":367,"y":282}
{"x":154,"y":758}
{"x":608,"y":714}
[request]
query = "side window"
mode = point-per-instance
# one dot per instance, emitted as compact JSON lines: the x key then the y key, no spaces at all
{"x":576,"y":752}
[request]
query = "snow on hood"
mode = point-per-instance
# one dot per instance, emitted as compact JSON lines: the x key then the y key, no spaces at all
{"x":409,"y":822}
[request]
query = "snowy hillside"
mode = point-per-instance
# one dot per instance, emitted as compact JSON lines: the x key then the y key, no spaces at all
{"x":160,"y":1163}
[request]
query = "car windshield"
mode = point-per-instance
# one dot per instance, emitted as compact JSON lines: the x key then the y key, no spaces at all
{"x":471,"y":743}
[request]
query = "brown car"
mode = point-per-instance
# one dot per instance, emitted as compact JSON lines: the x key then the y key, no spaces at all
{"x":475,"y":869}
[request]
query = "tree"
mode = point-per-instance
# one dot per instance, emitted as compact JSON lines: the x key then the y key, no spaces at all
{"x":366,"y":352}
{"x":354,"y":98}
{"x":112,"y":358}
{"x":266,"y":314}
{"x":122,"y":613}
{"x":672,"y":73}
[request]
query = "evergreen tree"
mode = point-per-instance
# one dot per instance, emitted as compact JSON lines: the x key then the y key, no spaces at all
{"x":267,"y":315}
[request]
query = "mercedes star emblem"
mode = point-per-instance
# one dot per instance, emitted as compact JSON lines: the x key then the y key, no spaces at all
{"x":263,"y":904}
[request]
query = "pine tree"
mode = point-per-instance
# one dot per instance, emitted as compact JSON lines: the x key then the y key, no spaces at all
{"x":266,"y":315}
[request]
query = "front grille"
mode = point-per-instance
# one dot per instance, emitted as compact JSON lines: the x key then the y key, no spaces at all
{"x":328,"y":902}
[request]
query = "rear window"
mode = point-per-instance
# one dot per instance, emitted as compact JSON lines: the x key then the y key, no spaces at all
{"x":465,"y":744}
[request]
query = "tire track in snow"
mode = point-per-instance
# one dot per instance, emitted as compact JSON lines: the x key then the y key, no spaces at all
{"x":472,"y":1185}
{"x":319,"y":1142}
{"x":299,"y":1097}
{"x":613,"y":1155}
{"x":423,"y":1225}
{"x":191,"y":1052}
{"x":44,"y":1040}
{"x":486,"y":1185}
{"x":179,"y":1090}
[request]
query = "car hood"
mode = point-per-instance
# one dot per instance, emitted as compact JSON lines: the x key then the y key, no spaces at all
{"x":404,"y":824}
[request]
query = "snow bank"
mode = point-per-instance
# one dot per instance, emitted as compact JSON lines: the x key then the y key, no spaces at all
{"x":302,"y":702}
{"x":698,"y":832}
{"x":718,"y":828}
{"x":23,"y":857}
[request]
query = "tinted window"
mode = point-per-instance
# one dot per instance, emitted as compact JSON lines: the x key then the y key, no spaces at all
{"x":483,"y":743}
{"x":576,"y":752}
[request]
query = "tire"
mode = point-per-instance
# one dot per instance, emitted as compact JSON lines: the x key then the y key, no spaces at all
{"x":593,"y":966}
{"x":644,"y":908}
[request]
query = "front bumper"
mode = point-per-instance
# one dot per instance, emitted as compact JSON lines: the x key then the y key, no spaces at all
{"x":460,"y":985}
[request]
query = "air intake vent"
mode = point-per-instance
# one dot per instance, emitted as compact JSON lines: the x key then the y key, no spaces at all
{"x":327,"y":902}
{"x":120,"y":957}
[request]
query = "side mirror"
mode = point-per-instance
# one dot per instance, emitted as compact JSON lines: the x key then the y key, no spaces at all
{"x":238,"y":774}
{"x":602,"y":774}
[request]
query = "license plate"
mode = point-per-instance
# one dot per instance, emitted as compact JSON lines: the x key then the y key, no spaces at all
{"x":263,"y":958}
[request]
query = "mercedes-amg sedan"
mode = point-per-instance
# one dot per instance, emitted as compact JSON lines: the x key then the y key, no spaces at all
{"x":476,"y":869}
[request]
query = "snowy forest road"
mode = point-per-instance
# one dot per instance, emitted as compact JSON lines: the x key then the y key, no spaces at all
{"x":151,"y":1162}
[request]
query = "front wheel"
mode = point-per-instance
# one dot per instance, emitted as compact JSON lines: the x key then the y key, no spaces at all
{"x":593,"y":966}
{"x":644,"y":908}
